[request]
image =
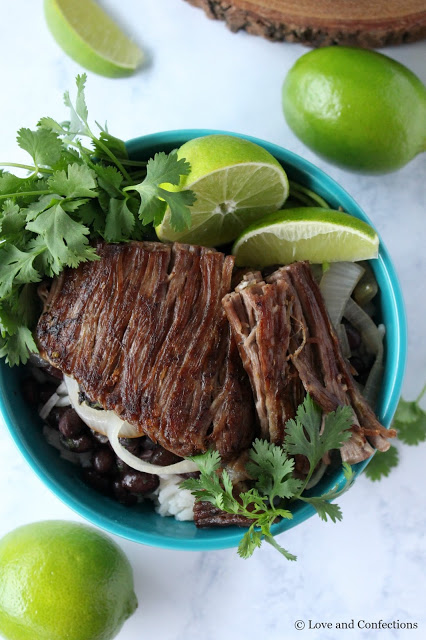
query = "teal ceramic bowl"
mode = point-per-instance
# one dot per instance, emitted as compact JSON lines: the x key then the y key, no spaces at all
{"x":141,"y":523}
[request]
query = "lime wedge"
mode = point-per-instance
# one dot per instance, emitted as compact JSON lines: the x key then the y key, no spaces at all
{"x":235,"y":181}
{"x":307,"y":233}
{"x":89,"y":36}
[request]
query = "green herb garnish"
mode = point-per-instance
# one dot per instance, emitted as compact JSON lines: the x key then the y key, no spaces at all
{"x":72,"y":195}
{"x":271,"y":468}
{"x":410,"y":420}
{"x":381,"y":464}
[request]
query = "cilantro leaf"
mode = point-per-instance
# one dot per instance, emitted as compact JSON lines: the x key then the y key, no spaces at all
{"x":151,"y":208}
{"x":78,"y":182}
{"x":16,"y":266}
{"x":324,"y":508}
{"x":272,"y":470}
{"x":410,"y":420}
{"x":17,"y":347}
{"x":79,"y":113}
{"x":109,"y":179}
{"x":120,"y":221}
{"x":66,"y":239}
{"x":179,"y":203}
{"x":51,"y":125}
{"x":44,"y":146}
{"x":12,"y":223}
{"x":304,"y":433}
{"x":250,"y":541}
{"x":161,"y":170}
{"x":116,"y":146}
{"x":381,"y":464}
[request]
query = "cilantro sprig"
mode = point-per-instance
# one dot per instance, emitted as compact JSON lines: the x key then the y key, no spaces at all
{"x":410,"y":423}
{"x":73,"y":193}
{"x":271,"y":468}
{"x":410,"y":420}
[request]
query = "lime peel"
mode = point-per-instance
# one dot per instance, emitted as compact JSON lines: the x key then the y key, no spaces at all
{"x":306,"y":233}
{"x":89,"y":36}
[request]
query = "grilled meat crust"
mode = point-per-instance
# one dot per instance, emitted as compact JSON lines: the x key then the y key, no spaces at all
{"x":143,"y":332}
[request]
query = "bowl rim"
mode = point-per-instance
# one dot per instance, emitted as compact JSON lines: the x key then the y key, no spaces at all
{"x":395,"y":365}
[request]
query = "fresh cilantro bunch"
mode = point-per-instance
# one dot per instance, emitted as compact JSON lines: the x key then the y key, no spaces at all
{"x":72,"y":195}
{"x":271,"y":468}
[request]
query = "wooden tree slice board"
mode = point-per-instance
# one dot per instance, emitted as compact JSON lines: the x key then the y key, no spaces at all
{"x":362,"y":23}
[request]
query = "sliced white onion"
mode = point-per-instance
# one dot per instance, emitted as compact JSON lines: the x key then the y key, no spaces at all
{"x":373,"y":383}
{"x":98,"y":419}
{"x":62,"y":389}
{"x":372,"y":337}
{"x":337,"y":285}
{"x":370,"y":334}
{"x":64,"y":401}
{"x":185,"y":466}
{"x":48,"y":406}
{"x":343,"y":340}
{"x":110,"y":425}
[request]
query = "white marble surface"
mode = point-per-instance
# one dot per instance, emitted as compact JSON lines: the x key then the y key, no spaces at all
{"x":371,"y":566}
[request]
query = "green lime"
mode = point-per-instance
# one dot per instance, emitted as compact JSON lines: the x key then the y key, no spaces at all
{"x":235,"y":182}
{"x":357,"y":108}
{"x":63,"y":581}
{"x":306,"y":233}
{"x":89,"y":36}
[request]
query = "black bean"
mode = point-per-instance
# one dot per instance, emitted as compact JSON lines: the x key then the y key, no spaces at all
{"x":122,"y":495}
{"x":82,"y":444}
{"x":103,"y":460}
{"x":55,"y":416}
{"x":131,"y":444}
{"x":121,"y":465}
{"x":190,"y":474}
{"x":163,"y":457}
{"x":70,"y":424}
{"x":99,"y":437}
{"x":97,"y":481}
{"x":139,"y":482}
{"x":354,"y":337}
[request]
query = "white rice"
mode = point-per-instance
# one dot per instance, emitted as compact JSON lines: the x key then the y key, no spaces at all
{"x":170,"y":500}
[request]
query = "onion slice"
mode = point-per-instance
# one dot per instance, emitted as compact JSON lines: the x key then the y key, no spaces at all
{"x":186,"y":466}
{"x":337,"y":285}
{"x":98,"y":419}
{"x":109,"y":424}
{"x":372,"y":337}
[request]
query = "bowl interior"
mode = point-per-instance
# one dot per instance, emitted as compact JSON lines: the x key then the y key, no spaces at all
{"x":141,"y":523}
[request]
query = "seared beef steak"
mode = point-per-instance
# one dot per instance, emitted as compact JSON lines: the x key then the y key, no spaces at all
{"x":143,"y":332}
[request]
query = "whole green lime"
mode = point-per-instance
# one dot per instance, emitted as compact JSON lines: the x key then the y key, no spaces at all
{"x":63,"y":581}
{"x":357,"y":108}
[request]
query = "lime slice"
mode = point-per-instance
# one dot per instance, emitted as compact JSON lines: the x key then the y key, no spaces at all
{"x":307,"y":233}
{"x":89,"y":36}
{"x":235,"y":181}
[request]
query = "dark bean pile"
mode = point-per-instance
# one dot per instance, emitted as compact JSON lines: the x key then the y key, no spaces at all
{"x":107,"y":473}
